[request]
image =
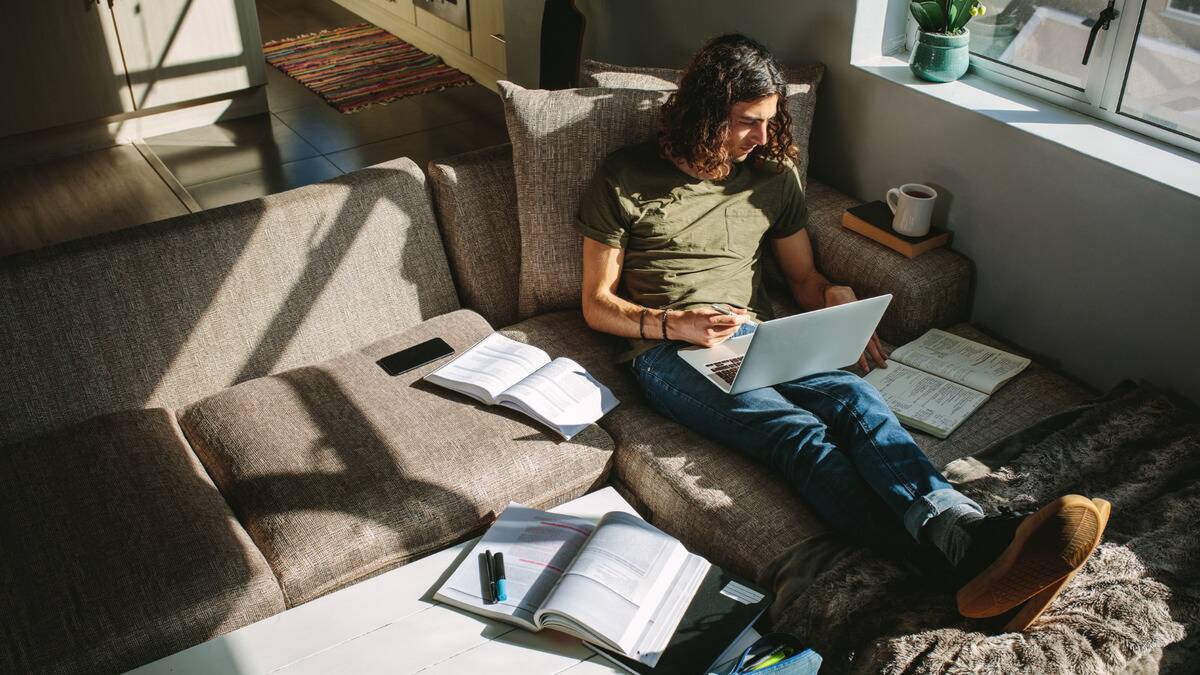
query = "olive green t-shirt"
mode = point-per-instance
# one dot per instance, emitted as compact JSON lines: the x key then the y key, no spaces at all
{"x":689,"y":242}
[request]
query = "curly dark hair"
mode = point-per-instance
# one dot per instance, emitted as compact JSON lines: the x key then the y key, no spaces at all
{"x":728,"y":69}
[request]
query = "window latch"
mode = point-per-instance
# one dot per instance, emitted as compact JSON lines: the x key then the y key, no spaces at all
{"x":1106,"y":17}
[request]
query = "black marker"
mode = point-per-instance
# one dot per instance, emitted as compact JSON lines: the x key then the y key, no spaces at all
{"x":491,"y":577}
{"x":498,"y":575}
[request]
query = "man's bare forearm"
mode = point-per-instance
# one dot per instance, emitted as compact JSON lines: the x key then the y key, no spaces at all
{"x":609,"y":313}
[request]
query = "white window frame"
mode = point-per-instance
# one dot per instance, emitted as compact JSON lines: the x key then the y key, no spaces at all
{"x":1111,"y":58}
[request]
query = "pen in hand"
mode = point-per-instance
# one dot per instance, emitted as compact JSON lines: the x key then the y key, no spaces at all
{"x":728,"y":312}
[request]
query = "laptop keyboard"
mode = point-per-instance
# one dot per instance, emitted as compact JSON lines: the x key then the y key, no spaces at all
{"x":727,"y":369}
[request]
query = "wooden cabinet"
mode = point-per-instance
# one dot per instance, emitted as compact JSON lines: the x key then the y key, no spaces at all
{"x":475,"y":52}
{"x":487,"y":33}
{"x":76,"y":61}
{"x":444,"y":31}
{"x":182,"y":50}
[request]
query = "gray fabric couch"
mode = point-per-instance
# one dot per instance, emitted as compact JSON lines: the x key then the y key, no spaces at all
{"x":195,"y":435}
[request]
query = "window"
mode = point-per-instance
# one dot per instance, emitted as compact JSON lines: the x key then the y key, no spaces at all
{"x":1142,"y":71}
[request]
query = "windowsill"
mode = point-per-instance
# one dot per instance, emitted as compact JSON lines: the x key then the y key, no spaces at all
{"x":1086,"y":135}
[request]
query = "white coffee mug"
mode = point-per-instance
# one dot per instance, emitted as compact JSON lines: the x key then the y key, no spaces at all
{"x":912,"y":208}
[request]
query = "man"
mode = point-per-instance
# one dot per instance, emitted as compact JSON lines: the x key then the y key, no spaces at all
{"x":675,"y":226}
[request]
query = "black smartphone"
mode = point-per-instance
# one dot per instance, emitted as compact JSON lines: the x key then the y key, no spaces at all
{"x":415,"y":356}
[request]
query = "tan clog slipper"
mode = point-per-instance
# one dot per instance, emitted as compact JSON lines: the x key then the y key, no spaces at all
{"x":1033,"y":607}
{"x":1048,"y":546}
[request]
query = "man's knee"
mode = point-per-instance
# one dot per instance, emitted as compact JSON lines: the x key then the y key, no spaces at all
{"x":799,"y":448}
{"x":851,"y":391}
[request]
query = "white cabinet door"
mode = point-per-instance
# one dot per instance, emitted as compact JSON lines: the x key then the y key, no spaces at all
{"x":182,"y":50}
{"x":62,"y":64}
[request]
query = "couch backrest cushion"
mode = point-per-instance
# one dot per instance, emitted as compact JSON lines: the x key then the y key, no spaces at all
{"x":559,"y":139}
{"x":802,"y":93}
{"x":476,"y":202}
{"x":118,"y":549}
{"x":340,"y":472}
{"x":163,"y":314}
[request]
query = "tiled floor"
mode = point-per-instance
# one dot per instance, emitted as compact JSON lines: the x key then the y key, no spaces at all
{"x":301,"y":140}
{"x":68,"y":198}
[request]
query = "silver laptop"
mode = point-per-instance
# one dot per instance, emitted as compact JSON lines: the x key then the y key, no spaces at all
{"x":794,"y":346}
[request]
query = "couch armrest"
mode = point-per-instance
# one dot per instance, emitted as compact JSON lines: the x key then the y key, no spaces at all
{"x":932,"y":290}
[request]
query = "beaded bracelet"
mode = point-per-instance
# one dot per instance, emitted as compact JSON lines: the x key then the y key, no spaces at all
{"x":664,"y":324}
{"x":642,"y":323}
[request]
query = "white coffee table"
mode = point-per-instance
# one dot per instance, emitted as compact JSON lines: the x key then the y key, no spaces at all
{"x":391,"y":624}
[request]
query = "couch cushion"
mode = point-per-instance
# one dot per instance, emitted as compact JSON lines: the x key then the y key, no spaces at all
{"x":162,"y":314}
{"x":559,"y":139}
{"x":723,"y":505}
{"x":476,"y":203}
{"x":802,"y":94}
{"x":339,"y":471}
{"x":118,"y":550}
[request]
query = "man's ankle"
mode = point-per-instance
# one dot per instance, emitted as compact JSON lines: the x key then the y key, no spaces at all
{"x":948,"y":533}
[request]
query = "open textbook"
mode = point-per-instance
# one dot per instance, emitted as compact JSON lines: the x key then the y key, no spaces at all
{"x":621,"y":583}
{"x":559,"y":393}
{"x":936,"y":381}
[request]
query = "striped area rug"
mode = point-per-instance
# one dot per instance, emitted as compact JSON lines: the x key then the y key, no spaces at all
{"x":359,"y":66}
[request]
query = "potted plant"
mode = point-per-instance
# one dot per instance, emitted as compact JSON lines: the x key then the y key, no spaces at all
{"x":941,"y":53}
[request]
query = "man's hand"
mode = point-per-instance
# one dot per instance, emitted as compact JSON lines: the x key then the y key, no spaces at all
{"x":703,"y":326}
{"x":840,"y":295}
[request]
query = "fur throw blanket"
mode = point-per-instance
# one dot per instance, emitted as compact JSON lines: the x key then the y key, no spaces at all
{"x":1133,"y":608}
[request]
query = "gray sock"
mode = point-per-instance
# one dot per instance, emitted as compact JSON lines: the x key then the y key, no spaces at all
{"x":946,"y":530}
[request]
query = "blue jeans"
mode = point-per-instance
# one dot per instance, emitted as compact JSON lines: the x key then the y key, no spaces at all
{"x":829,"y":435}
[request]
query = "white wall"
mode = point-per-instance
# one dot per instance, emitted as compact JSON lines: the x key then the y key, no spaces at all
{"x":1080,"y":262}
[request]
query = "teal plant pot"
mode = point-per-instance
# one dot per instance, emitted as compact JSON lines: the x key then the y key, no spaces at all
{"x":941,"y":58}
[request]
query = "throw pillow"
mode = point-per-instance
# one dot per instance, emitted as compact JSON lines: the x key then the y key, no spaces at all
{"x":559,"y":139}
{"x":594,"y":73}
